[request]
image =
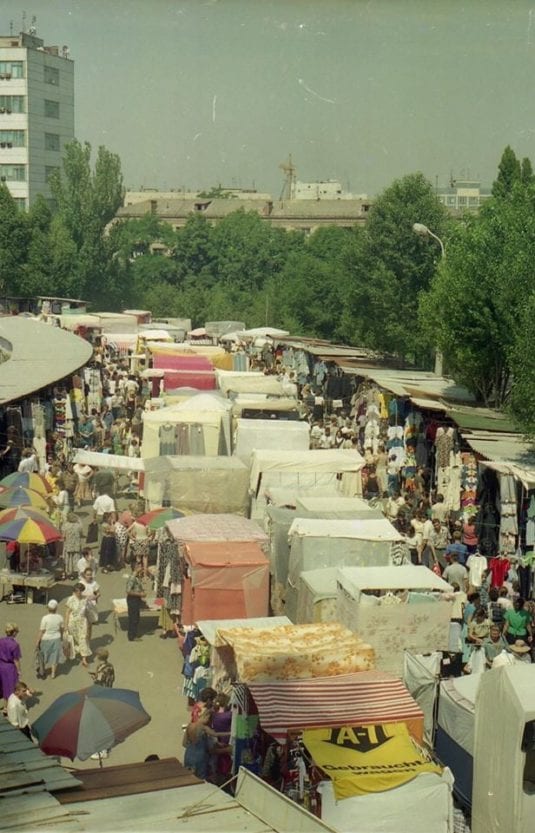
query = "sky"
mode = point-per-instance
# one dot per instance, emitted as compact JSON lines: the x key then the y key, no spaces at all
{"x":193,"y":93}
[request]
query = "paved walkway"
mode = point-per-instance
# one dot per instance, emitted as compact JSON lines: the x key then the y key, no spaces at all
{"x":151,"y":666}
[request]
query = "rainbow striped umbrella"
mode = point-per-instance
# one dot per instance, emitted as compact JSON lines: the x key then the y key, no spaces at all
{"x":17,"y":496}
{"x":157,"y":518}
{"x":27,"y":480}
{"x":80,"y":723}
{"x":27,"y":526}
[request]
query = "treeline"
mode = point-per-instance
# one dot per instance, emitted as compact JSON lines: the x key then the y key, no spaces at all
{"x":380,"y":286}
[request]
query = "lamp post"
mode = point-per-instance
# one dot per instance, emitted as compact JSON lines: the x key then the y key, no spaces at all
{"x":424,"y":231}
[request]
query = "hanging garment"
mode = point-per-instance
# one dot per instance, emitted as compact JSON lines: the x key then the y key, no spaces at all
{"x":167,"y":439}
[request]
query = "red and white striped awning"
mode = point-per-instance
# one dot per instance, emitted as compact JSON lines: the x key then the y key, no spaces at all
{"x":347,"y":700}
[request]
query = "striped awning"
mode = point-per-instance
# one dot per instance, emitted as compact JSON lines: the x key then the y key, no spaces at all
{"x":347,"y":700}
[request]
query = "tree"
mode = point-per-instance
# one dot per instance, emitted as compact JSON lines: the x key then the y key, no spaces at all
{"x":14,"y":238}
{"x":38,"y":275}
{"x":86,"y":202}
{"x":522,"y":355}
{"x":392,"y":265}
{"x":509,"y":174}
{"x":475,"y":301}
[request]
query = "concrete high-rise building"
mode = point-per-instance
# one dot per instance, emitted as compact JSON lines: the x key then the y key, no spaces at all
{"x":36,"y":113}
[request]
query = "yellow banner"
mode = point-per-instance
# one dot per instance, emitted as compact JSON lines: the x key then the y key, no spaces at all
{"x":367,"y":759}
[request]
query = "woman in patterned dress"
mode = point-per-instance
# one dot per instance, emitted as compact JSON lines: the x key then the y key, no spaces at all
{"x":76,"y":623}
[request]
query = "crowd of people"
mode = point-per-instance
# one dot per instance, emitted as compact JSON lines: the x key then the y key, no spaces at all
{"x":416,"y":473}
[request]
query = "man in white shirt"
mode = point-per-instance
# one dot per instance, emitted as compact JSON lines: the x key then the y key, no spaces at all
{"x":103,"y":505}
{"x":17,"y":712}
{"x":440,"y":510}
{"x":29,"y":461}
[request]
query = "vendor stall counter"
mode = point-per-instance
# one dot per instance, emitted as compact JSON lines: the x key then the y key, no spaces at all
{"x":29,"y":581}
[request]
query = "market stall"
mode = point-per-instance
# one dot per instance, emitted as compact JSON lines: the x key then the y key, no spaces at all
{"x":303,"y":470}
{"x":316,"y":543}
{"x":249,"y":382}
{"x":395,"y":609}
{"x":317,"y":592}
{"x":197,"y":484}
{"x":504,"y":750}
{"x":228,"y":579}
{"x":254,"y":434}
{"x":198,"y":426}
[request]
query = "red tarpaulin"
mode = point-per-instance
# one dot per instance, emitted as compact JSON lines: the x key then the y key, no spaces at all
{"x":185,"y":371}
{"x":228,"y":580}
{"x":368,"y":697}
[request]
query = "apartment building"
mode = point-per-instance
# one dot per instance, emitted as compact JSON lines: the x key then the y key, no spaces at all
{"x":36,"y":113}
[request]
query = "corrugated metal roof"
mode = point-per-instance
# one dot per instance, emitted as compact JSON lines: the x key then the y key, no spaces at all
{"x":40,"y":355}
{"x":27,"y":776}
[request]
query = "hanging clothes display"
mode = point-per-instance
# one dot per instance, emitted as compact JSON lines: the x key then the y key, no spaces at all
{"x":167,"y":437}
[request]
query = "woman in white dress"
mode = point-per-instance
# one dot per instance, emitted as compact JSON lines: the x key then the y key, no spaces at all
{"x":76,"y":624}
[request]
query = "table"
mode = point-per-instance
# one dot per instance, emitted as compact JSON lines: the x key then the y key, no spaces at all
{"x":30,"y":581}
{"x":152,"y":607}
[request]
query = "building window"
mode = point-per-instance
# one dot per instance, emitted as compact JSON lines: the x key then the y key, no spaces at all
{"x":52,"y":76}
{"x":51,"y":141}
{"x":51,"y":109}
{"x":20,"y":202}
{"x":13,"y":173}
{"x":463,"y":202}
{"x":12,"y":104}
{"x":50,"y":170}
{"x":12,"y":138}
{"x":11,"y":69}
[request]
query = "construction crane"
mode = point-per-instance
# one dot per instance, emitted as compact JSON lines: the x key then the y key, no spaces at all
{"x":289,"y":181}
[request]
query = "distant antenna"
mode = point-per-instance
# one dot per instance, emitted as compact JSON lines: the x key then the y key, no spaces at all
{"x":289,"y":182}
{"x":65,"y":51}
{"x":452,"y":180}
{"x":10,"y":27}
{"x":23,"y":21}
{"x":33,"y":28}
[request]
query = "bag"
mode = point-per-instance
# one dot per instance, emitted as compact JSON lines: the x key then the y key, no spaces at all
{"x":91,"y":613}
{"x":39,"y":663}
{"x":68,"y":646}
{"x":92,"y":533}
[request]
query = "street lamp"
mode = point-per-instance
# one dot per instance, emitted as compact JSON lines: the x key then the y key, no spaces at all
{"x":423,"y":231}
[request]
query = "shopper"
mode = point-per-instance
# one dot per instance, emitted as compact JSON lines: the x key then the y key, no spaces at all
{"x":50,"y":638}
{"x":134,"y":599}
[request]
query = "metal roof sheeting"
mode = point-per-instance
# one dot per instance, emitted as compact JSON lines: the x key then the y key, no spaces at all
{"x":40,"y":355}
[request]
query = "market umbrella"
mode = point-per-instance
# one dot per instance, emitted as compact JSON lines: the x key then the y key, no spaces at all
{"x":27,"y":525}
{"x":157,"y":518}
{"x":27,"y":480}
{"x":17,"y":496}
{"x":81,"y":723}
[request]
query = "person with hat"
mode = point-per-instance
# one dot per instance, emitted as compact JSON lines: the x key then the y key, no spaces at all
{"x":521,"y":651}
{"x":50,"y":638}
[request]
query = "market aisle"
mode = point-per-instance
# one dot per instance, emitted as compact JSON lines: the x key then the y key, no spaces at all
{"x":151,"y":666}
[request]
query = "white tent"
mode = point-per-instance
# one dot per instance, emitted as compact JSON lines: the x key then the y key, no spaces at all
{"x":316,"y":596}
{"x":264,"y":332}
{"x":304,"y":470}
{"x":251,"y":434}
{"x":317,"y":543}
{"x":335,"y":508}
{"x":423,"y":805}
{"x":108,"y":461}
{"x":236,"y":381}
{"x":503,"y":795}
{"x":207,"y":414}
{"x":418,"y":621}
{"x":454,"y":736}
{"x":199,"y":484}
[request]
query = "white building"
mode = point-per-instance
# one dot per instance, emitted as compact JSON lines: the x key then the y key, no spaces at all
{"x":36,"y":113}
{"x":463,"y":195}
{"x":326,"y":189}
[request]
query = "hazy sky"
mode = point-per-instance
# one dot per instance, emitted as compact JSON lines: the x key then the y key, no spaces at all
{"x":191,"y":93}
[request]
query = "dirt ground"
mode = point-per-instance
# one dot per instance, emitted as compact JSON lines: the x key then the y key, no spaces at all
{"x":151,"y":666}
